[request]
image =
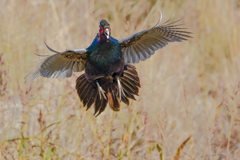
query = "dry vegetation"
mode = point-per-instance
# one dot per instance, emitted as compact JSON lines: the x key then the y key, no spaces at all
{"x":189,"y":103}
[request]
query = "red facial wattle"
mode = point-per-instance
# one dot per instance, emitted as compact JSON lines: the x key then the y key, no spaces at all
{"x":102,"y":29}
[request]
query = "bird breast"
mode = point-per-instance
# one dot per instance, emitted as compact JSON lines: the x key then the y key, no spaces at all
{"x":105,"y":55}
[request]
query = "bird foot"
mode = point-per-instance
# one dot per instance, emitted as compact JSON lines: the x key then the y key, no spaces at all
{"x":101,"y":91}
{"x":120,"y":89}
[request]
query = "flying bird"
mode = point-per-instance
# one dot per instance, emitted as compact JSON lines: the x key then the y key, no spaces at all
{"x":109,"y":77}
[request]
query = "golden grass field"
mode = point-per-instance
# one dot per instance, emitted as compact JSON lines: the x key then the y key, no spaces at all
{"x":188,"y":106}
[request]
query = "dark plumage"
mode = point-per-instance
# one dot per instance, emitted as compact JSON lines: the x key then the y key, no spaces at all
{"x":108,"y":77}
{"x":87,"y":90}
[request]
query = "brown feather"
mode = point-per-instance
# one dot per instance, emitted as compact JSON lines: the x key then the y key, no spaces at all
{"x":97,"y":104}
{"x":129,"y":90}
{"x":113,"y":99}
{"x":92,"y":99}
{"x":80,"y":83}
{"x":130,"y":85}
{"x":129,"y":95}
{"x":81,"y":90}
{"x":133,"y":83}
{"x":80,"y":80}
{"x":131,"y":76}
{"x":85,"y":90}
{"x":100,"y":105}
{"x":125,"y":100}
{"x":89,"y":95}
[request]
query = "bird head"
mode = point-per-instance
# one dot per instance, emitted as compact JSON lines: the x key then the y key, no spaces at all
{"x":104,"y":30}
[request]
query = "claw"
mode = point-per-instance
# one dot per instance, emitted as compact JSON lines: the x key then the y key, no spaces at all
{"x":120,"y":89}
{"x":101,"y":91}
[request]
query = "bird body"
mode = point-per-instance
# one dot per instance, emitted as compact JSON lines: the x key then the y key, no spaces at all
{"x":109,"y":76}
{"x":104,"y":59}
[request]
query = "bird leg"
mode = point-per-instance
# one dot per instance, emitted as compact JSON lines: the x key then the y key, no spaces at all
{"x":101,"y":91}
{"x":120,"y":89}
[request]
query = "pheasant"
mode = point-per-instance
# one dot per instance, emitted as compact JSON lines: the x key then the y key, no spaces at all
{"x":109,"y":74}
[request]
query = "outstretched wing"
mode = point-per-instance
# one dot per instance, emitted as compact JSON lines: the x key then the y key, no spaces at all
{"x":60,"y":65}
{"x":142,"y":45}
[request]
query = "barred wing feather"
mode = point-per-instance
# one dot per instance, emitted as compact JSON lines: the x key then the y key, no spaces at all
{"x":141,"y":45}
{"x":60,"y":64}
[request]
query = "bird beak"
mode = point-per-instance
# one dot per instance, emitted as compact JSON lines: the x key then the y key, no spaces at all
{"x":106,"y":32}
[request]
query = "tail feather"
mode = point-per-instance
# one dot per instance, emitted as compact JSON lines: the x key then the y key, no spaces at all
{"x":128,"y":95}
{"x":123,"y":97}
{"x":132,"y":70}
{"x":81,"y":79}
{"x":131,"y":73}
{"x":88,"y":91}
{"x":125,"y":100}
{"x":104,"y":104}
{"x":85,"y":90}
{"x":92,"y":99}
{"x":134,"y":80}
{"x":128,"y":90}
{"x":130,"y":86}
{"x":100,"y":105}
{"x":113,"y":100}
{"x":81,"y":82}
{"x":87,"y":96}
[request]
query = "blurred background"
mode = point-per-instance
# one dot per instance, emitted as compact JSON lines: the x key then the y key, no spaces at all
{"x":188,"y":106}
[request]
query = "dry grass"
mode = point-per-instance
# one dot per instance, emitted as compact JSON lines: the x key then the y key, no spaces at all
{"x":189,"y":89}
